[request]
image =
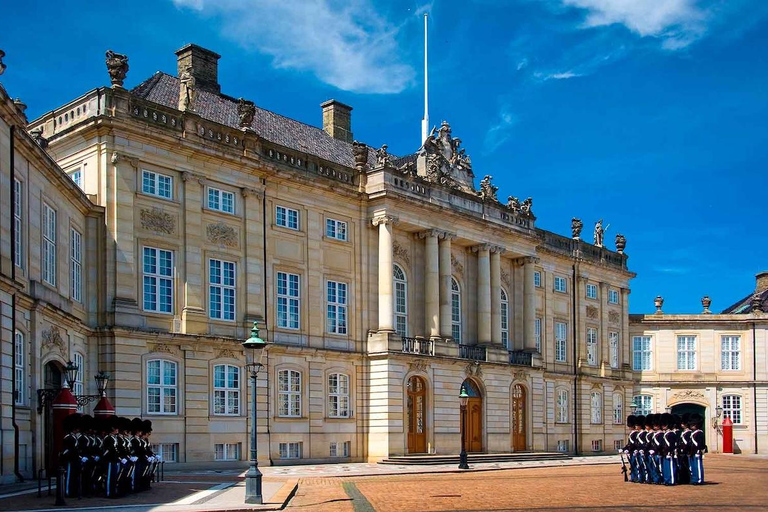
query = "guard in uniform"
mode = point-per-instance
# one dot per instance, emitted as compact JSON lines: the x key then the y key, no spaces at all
{"x":683,"y":448}
{"x":668,"y":449}
{"x":631,"y":448}
{"x":697,"y":450}
{"x":655,"y":445}
{"x":70,"y":455}
{"x":110,"y":456}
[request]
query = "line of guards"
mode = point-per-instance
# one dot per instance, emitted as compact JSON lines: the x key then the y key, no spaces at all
{"x":110,"y":455}
{"x":665,"y":449}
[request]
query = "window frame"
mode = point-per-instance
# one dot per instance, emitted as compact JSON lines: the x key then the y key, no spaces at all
{"x":335,"y":234}
{"x":336,"y":308}
{"x":223,"y":288}
{"x":592,"y":356}
{"x":19,"y":368}
{"x":162,"y":387}
{"x":289,"y":445}
{"x":155,"y":179}
{"x":687,"y":355}
{"x":613,"y":296}
{"x":591,"y":291}
{"x":76,"y":265}
{"x":596,"y":408}
{"x":158,"y":279}
{"x":49,"y":240}
{"x":456,"y":316}
{"x":618,"y":408}
{"x":733,"y":406}
{"x":76,"y":175}
{"x":562,"y":406}
{"x":537,"y":279}
{"x":561,"y":342}
{"x":288,"y":301}
{"x":18,"y":217}
{"x":504,"y":313}
{"x":537,"y":332}
{"x":559,"y":280}
{"x":340,"y":407}
{"x":219,"y":195}
{"x":640,"y":355}
{"x":225,"y":450}
{"x":283,"y":212}
{"x":614,"y":352}
{"x":642,"y":409}
{"x":292,"y":396}
{"x":229,"y":391}
{"x":733,"y":356}
{"x":400,"y":290}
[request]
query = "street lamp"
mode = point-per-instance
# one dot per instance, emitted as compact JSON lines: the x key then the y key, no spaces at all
{"x":253,"y":476}
{"x":635,"y":406}
{"x":102,"y":378}
{"x":71,"y":374}
{"x":463,"y":399}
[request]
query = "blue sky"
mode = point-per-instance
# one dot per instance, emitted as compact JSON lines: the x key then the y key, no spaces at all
{"x":648,"y":114}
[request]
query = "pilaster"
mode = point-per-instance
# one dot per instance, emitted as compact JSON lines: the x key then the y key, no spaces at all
{"x":431,"y":283}
{"x":193,"y":310}
{"x":483,"y":294}
{"x":386,"y":316}
{"x":529,"y":304}
{"x":445,"y":284}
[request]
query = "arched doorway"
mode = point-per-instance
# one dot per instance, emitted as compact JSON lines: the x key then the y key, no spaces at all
{"x":53,"y":377}
{"x":473,"y":426}
{"x":690,"y":408}
{"x":518,"y":418}
{"x":417,"y":398}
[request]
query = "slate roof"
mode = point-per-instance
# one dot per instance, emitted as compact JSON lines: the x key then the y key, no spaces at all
{"x":744,"y":306}
{"x":163,"y":89}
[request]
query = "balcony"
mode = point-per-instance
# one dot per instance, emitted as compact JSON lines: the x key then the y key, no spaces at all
{"x":521,"y":358}
{"x":473,"y":352}
{"x":418,"y":346}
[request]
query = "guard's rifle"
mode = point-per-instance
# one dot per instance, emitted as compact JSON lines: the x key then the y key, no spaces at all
{"x":623,"y":466}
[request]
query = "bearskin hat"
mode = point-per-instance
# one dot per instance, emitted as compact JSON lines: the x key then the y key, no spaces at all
{"x":136,"y":425}
{"x":631,"y":421}
{"x":640,"y":421}
{"x":146,"y":426}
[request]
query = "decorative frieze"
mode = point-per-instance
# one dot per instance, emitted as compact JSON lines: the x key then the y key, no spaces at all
{"x":592,"y":312}
{"x":419,"y":365}
{"x":473,"y":369}
{"x":164,"y":348}
{"x":401,"y":252}
{"x":222,"y":235}
{"x":157,"y":220}
{"x":614,"y":317}
{"x":51,"y":339}
{"x":456,"y":265}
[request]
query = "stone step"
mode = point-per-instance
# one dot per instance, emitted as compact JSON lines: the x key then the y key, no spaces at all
{"x":476,"y":458}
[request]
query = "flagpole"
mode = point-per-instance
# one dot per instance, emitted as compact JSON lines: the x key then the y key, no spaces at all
{"x":425,"y":120}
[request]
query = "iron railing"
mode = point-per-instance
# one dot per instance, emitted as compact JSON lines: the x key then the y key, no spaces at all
{"x":520,"y":358}
{"x":472,"y":352}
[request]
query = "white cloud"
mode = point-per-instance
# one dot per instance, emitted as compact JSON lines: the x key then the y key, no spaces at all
{"x":565,"y":75}
{"x":677,"y":23}
{"x":346,"y":44}
{"x":500,"y":131}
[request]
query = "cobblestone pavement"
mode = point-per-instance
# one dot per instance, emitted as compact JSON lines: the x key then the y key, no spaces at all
{"x":735,"y":484}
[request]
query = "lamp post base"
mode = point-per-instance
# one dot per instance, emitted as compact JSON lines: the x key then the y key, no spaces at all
{"x":463,"y":460}
{"x":253,"y":485}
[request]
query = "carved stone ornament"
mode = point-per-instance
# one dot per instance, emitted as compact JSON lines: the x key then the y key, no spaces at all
{"x":591,"y":312}
{"x":52,"y":339}
{"x":165,"y":348}
{"x":383,"y":158}
{"x":187,"y":91}
{"x":506,"y":277}
{"x":2,"y":66}
{"x":659,"y":303}
{"x":442,"y":160}
{"x":384,"y":219}
{"x":576,"y":227}
{"x":226,"y":353}
{"x":621,"y":243}
{"x":757,"y":302}
{"x":614,"y":317}
{"x":418,"y":366}
{"x":706,"y":302}
{"x":456,"y":265}
{"x":360,"y":153}
{"x":487,"y":189}
{"x":222,"y":235}
{"x":401,"y":252}
{"x":520,"y":375}
{"x":687,"y":395}
{"x":117,"y":67}
{"x":598,"y":234}
{"x":246,"y":110}
{"x":473,"y":369}
{"x":157,"y":220}
{"x":37,"y":136}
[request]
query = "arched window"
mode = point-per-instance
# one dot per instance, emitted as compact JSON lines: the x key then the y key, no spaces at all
{"x":289,"y":394}
{"x":455,"y":310}
{"x":562,"y":406}
{"x":338,"y":395}
{"x":161,"y":386}
{"x":401,"y":301}
{"x":597,"y":407}
{"x":504,"y":319}
{"x":618,"y":408}
{"x":226,"y":390}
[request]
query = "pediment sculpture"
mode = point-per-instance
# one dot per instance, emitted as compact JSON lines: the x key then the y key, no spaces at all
{"x":442,"y":160}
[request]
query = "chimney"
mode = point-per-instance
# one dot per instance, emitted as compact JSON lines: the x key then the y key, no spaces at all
{"x":762,"y":282}
{"x":204,"y":64}
{"x":337,"y":120}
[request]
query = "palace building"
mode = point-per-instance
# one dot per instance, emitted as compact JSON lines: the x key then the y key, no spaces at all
{"x":144,"y":230}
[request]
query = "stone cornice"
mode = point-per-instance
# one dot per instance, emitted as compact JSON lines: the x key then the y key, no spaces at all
{"x":384,"y":218}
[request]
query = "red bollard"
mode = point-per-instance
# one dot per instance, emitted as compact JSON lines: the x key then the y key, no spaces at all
{"x":727,"y":435}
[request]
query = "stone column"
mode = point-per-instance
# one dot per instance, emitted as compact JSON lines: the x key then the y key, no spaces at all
{"x":496,"y":295}
{"x":483,"y":294}
{"x":253,"y":254}
{"x":445,"y":284}
{"x":529,"y":304}
{"x":193,"y":312}
{"x":386,"y":297}
{"x":431,"y":283}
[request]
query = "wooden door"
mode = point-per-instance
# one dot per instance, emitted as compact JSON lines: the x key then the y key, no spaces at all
{"x":518,"y":418}
{"x":474,"y":432}
{"x":417,"y":434}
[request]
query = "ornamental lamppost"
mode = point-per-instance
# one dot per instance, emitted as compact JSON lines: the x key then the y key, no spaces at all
{"x":635,"y":406}
{"x":463,"y":399}
{"x":70,"y":374}
{"x":253,"y":476}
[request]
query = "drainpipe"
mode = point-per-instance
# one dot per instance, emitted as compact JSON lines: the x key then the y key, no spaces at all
{"x":575,"y":367}
{"x":754,"y":380}
{"x":13,"y":312}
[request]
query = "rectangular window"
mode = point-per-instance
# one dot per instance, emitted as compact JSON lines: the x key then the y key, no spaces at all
{"x":641,"y":353}
{"x":161,"y":386}
{"x":227,"y":451}
{"x":537,"y":334}
{"x":732,"y":408}
{"x":337,"y":307}
{"x":156,"y":184}
{"x":288,"y":301}
{"x":686,"y":352}
{"x":613,"y":296}
{"x":290,"y":450}
{"x":613,"y":346}
{"x":644,"y":404}
{"x":18,"y":252}
{"x":77,"y":177}
{"x":561,"y":337}
{"x":730,"y":352}
{"x":221,"y":200}
{"x":537,"y":279}
{"x":336,"y":229}
{"x":562,"y":446}
{"x":18,"y":368}
{"x":158,"y":280}
{"x":618,"y":409}
{"x":591,"y":291}
{"x":562,"y":406}
{"x":77,"y":386}
{"x":289,"y":394}
{"x":561,"y":284}
{"x":597,"y":445}
{"x":592,"y":346}
{"x":596,"y":400}
{"x":340,"y":449}
{"x":226,"y":390}
{"x":287,"y":217}
{"x":221,"y":289}
{"x":338,"y":395}
{"x":76,"y":265}
{"x":167,"y":452}
{"x":618,"y":444}
{"x":49,"y":245}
